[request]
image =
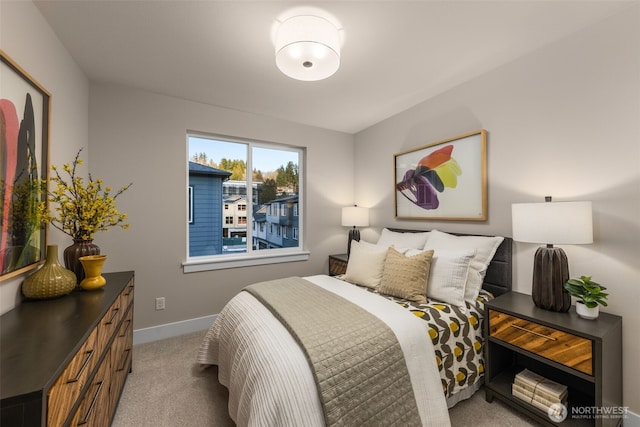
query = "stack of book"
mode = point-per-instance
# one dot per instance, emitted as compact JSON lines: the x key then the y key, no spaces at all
{"x":538,"y":390}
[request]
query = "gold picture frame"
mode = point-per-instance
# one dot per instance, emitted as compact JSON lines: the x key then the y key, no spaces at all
{"x":24,"y":143}
{"x":445,"y":180}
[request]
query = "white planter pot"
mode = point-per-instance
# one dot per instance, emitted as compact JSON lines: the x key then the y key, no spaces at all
{"x":586,"y":312}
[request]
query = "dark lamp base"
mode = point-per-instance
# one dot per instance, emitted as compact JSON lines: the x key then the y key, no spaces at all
{"x":550,"y":272}
{"x":354,"y":234}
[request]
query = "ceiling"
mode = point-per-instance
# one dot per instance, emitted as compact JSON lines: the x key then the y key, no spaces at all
{"x":395,"y":54}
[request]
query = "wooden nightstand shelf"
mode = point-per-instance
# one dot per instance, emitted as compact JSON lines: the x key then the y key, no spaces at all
{"x":338,"y":264}
{"x":584,"y":355}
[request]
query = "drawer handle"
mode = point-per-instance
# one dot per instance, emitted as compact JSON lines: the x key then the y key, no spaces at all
{"x":125,"y":357}
{"x":87,"y":416}
{"x":129,"y":290}
{"x":113,"y":316}
{"x":124,"y":329}
{"x":547,"y":337}
{"x":88,"y":354}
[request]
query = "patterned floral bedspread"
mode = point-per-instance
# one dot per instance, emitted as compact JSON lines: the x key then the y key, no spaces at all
{"x":457,"y":339}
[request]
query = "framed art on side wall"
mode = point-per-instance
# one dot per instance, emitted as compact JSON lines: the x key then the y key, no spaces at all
{"x":24,"y":142}
{"x":446,"y":180}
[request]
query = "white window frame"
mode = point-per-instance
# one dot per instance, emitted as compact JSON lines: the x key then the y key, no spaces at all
{"x":190,"y":202}
{"x":252,"y":257}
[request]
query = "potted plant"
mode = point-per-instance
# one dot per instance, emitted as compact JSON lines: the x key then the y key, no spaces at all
{"x":80,"y":209}
{"x":590,"y":296}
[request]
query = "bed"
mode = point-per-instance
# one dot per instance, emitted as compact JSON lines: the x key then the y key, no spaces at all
{"x":277,"y":375}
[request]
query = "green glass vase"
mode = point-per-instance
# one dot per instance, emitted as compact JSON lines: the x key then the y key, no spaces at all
{"x":52,"y":280}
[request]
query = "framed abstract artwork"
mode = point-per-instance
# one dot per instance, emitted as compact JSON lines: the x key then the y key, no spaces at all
{"x":446,"y":180}
{"x":24,"y":143}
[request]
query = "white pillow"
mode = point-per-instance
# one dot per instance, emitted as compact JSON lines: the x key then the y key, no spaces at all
{"x":485,"y":248}
{"x":448,"y":275}
{"x":365,"y":264}
{"x":402,"y":240}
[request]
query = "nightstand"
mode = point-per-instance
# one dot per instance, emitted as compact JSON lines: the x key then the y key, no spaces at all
{"x":584,"y":355}
{"x":338,"y":264}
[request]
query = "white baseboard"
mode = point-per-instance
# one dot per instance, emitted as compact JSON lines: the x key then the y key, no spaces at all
{"x":160,"y":332}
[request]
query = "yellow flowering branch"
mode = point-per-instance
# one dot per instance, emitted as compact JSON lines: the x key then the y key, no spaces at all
{"x":81,"y":210}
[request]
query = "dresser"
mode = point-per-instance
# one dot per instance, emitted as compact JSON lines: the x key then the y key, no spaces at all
{"x":64,"y":362}
{"x":584,"y":355}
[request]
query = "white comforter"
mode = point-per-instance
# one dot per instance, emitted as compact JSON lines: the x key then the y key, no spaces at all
{"x":269,"y":379}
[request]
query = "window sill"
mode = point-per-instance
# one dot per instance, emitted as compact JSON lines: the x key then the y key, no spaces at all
{"x":221,"y":262}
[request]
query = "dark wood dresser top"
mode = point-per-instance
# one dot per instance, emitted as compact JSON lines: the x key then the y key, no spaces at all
{"x":38,"y":336}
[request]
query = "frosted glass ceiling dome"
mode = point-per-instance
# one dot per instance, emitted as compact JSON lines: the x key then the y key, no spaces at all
{"x":307,"y":47}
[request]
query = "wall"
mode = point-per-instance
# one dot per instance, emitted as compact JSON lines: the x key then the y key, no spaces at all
{"x":141,"y":137}
{"x":28,"y":40}
{"x":563,"y":121}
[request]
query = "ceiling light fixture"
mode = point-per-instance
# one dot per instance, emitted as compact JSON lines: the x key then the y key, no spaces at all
{"x":307,"y":47}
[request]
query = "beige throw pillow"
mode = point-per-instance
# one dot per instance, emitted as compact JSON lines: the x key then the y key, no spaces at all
{"x":406,"y":276}
{"x":365,"y":264}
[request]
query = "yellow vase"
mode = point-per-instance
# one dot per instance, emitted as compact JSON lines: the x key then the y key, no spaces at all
{"x":92,"y":265}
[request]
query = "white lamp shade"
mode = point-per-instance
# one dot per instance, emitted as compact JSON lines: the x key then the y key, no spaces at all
{"x":355,"y":216}
{"x":552,"y":223}
{"x":307,"y":48}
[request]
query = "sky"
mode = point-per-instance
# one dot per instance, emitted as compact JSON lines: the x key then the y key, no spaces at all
{"x":264,"y":159}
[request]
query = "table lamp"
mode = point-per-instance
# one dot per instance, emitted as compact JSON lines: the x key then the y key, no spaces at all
{"x":354,"y":216}
{"x":552,"y":223}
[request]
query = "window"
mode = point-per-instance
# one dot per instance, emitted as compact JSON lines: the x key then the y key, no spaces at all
{"x":244,"y":194}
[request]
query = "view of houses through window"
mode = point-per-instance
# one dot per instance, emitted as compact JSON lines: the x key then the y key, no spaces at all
{"x":232,"y":211}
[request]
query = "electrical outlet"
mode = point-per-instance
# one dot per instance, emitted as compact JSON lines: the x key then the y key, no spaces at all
{"x":160,"y":303}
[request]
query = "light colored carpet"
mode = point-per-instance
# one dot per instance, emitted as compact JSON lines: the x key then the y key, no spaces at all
{"x":168,"y":389}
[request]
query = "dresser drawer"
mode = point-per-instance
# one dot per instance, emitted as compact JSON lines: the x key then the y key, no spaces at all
{"x":127,"y":296}
{"x":121,"y":356}
{"x":570,"y":350}
{"x":95,"y":407}
{"x":66,"y":390}
{"x":109,"y":322}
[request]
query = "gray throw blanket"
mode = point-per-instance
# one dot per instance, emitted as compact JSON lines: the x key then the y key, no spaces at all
{"x":356,"y":359}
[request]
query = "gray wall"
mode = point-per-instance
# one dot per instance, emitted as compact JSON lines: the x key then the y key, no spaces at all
{"x":563,"y":121}
{"x":141,"y":137}
{"x":29,"y":41}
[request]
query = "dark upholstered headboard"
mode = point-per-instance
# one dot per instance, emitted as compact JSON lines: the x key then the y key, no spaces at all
{"x":498,"y":279}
